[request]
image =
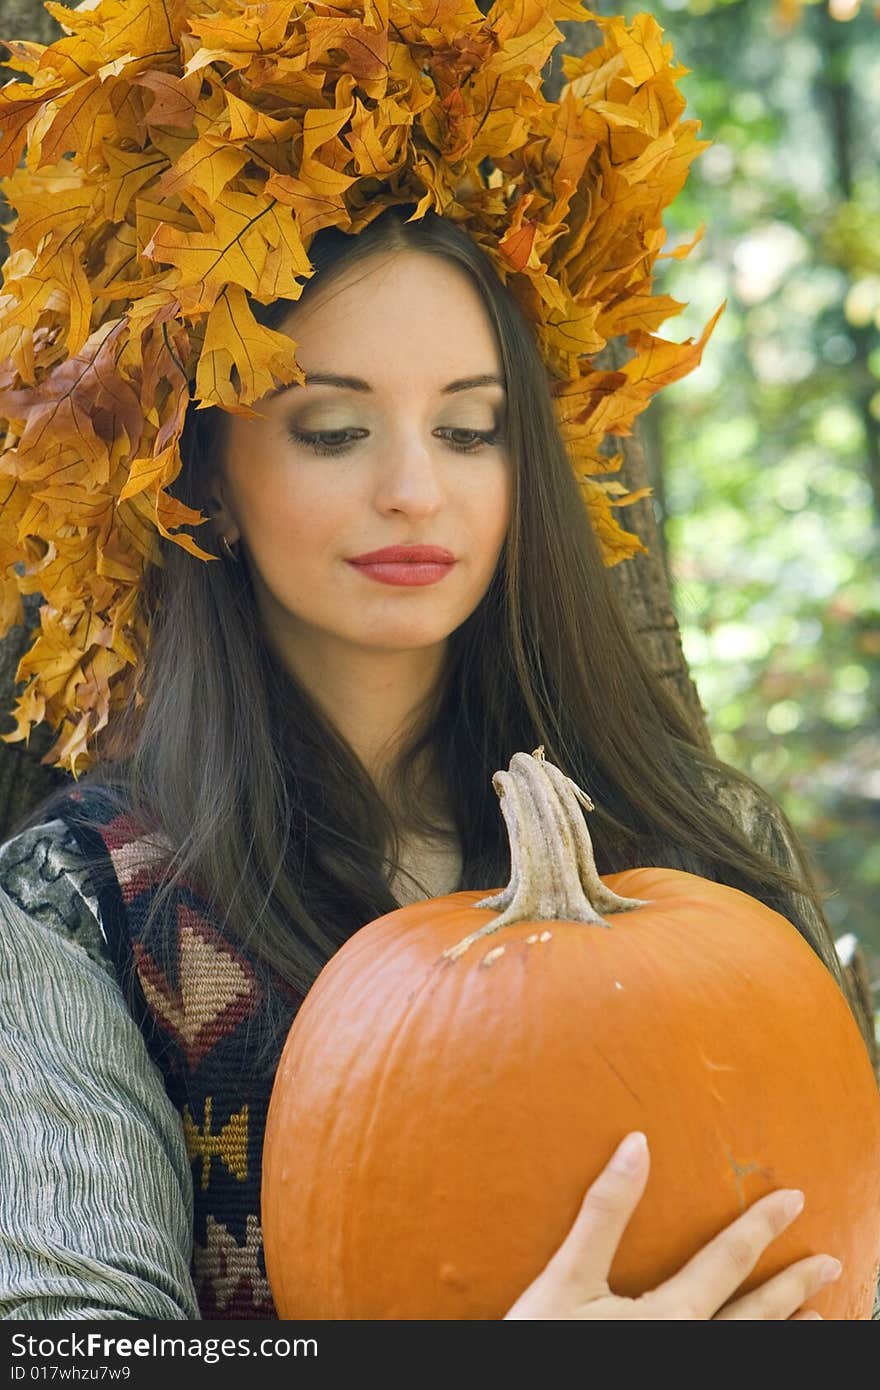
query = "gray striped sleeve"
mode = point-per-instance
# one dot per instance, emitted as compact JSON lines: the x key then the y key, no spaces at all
{"x":95,"y":1183}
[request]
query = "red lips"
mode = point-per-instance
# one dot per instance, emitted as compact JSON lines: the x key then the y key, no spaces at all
{"x":405,"y":554}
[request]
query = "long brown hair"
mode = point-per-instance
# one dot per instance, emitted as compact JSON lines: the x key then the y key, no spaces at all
{"x":265,"y":805}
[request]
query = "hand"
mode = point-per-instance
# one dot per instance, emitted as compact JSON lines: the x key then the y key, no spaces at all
{"x":574,"y":1282}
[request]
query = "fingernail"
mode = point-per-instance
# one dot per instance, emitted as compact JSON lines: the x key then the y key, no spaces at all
{"x":793,"y":1204}
{"x":812,"y":1317}
{"x":830,"y":1269}
{"x":628,"y":1157}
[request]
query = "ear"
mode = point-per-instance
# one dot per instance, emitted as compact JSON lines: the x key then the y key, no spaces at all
{"x":219,"y":510}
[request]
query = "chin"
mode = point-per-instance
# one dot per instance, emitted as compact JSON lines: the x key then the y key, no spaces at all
{"x":407,"y":640}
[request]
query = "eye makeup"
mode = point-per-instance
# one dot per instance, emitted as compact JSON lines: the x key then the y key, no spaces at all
{"x":461,"y":439}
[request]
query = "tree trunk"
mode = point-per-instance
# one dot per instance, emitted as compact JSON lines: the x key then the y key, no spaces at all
{"x":642,"y":582}
{"x":836,"y":91}
{"x":26,"y":19}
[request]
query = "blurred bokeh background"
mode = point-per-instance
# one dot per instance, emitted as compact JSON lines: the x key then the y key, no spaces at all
{"x":766,"y":460}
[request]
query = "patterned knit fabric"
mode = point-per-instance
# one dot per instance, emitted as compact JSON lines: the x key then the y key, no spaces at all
{"x":194,"y":995}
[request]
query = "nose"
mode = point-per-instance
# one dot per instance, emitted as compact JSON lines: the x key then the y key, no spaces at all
{"x":409,"y":477}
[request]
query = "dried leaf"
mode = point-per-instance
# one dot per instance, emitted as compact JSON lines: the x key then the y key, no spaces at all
{"x":237,"y":346}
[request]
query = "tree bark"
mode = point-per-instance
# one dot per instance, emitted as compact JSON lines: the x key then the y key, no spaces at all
{"x":26,"y":19}
{"x":642,"y":582}
{"x":836,"y":92}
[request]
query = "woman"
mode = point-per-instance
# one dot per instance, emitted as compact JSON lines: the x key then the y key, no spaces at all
{"x":314,"y":747}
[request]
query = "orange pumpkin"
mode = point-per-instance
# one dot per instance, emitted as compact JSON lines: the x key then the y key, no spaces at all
{"x":464,"y":1066}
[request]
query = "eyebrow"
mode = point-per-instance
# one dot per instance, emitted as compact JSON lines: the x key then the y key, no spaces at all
{"x":355,"y":383}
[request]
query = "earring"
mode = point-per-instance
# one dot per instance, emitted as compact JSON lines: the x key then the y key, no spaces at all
{"x":230,"y":553}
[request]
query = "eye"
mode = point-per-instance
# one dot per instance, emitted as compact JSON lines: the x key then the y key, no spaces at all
{"x":326,"y":441}
{"x":463,"y":441}
{"x":469,"y":441}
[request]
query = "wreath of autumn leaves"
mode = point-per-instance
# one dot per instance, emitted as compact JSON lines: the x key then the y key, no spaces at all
{"x":179,"y":158}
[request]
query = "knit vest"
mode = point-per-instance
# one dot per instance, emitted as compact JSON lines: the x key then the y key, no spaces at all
{"x":194,"y":995}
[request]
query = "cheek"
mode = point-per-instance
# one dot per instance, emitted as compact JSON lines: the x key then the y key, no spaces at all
{"x":494,"y":508}
{"x":295,"y":510}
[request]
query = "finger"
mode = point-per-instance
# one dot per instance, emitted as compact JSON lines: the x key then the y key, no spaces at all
{"x":587,"y":1253}
{"x":781,"y":1296}
{"x":714,"y":1274}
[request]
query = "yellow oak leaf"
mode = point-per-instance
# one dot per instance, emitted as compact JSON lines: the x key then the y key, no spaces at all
{"x":175,"y":98}
{"x":253,"y":29}
{"x":235,"y":344}
{"x":11,"y":609}
{"x":207,"y":165}
{"x":659,"y":362}
{"x":233,"y":250}
{"x":152,"y":474}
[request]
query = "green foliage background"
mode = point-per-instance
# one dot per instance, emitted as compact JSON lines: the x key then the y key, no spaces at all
{"x":766,"y":460}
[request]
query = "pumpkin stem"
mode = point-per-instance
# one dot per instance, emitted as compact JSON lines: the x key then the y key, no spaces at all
{"x":553,"y":874}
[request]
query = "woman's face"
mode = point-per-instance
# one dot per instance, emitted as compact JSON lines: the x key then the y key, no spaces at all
{"x":405,"y":447}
